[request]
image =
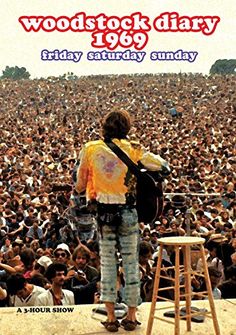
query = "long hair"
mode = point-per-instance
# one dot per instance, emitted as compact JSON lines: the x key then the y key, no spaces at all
{"x":83,"y":250}
{"x":116,"y":124}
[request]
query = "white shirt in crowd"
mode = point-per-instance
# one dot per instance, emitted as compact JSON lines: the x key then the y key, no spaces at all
{"x":30,"y":300}
{"x":46,"y":298}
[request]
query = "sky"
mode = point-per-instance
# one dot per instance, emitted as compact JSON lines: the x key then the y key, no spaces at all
{"x":24,"y":49}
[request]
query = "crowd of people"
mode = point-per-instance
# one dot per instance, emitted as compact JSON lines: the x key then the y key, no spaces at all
{"x":49,"y":253}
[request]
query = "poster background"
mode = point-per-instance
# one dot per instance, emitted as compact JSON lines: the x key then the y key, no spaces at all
{"x":23,"y":49}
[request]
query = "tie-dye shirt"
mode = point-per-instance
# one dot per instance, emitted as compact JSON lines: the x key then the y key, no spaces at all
{"x":104,"y":176}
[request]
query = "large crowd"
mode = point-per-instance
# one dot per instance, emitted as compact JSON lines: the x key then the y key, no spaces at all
{"x":46,"y":228}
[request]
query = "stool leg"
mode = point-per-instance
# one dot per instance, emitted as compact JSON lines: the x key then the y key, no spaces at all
{"x":155,"y":292}
{"x":177,"y":294}
{"x":187,"y":270}
{"x":209,"y":292}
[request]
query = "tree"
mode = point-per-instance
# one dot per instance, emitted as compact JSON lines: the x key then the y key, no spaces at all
{"x":224,"y":66}
{"x":15,"y":73}
{"x":68,"y":76}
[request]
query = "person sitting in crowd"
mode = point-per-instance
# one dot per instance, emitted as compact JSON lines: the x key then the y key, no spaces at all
{"x":37,"y":274}
{"x":62,"y":254}
{"x":84,"y":277}
{"x":212,"y":259}
{"x":21,"y":293}
{"x":56,"y":295}
{"x":228,"y":287}
{"x":199,"y":285}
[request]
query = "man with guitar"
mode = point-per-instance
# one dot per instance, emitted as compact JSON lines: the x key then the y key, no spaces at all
{"x":107,"y":175}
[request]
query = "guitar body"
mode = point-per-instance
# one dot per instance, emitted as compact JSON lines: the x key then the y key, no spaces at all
{"x":149,"y":196}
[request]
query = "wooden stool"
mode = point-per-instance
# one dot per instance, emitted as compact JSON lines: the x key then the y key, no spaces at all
{"x":185,"y":244}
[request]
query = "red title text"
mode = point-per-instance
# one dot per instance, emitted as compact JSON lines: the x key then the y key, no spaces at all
{"x":126,"y":31}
